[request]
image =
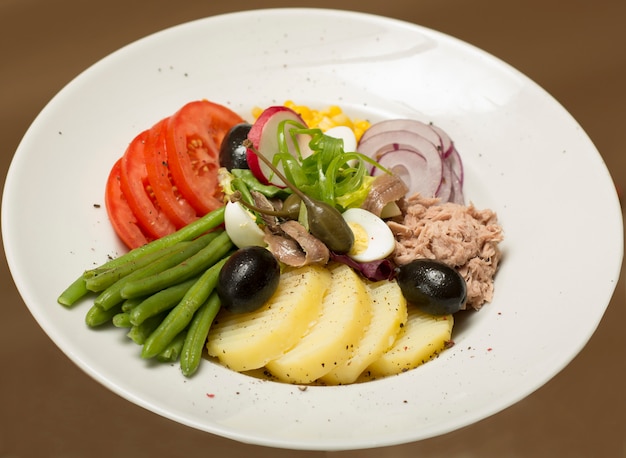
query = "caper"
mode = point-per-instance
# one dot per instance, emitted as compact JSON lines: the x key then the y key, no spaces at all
{"x":291,"y":206}
{"x":325,"y":221}
{"x":327,"y":224}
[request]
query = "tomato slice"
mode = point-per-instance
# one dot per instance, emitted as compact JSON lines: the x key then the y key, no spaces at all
{"x":122,"y":217}
{"x":138,"y":190}
{"x":171,"y":201}
{"x":194,"y":136}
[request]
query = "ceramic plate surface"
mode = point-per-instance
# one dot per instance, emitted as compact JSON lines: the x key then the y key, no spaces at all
{"x":525,"y":157}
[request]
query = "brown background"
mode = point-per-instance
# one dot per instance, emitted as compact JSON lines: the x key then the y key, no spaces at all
{"x":576,"y":50}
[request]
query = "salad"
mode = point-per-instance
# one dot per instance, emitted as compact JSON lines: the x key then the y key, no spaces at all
{"x":305,"y":246}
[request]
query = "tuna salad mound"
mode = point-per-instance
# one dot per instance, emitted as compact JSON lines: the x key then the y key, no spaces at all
{"x":460,"y":236}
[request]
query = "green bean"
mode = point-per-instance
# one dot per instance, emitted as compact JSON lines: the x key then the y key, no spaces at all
{"x":193,"y":230}
{"x":122,"y":320}
{"x":239,"y":185}
{"x":139,"y":333}
{"x":160,"y":301}
{"x":74,"y":292}
{"x":173,"y":349}
{"x":197,"y":263}
{"x":180,"y":316}
{"x":130,"y":304}
{"x":97,"y":316}
{"x":191,"y":354}
{"x":189,"y":232}
{"x":99,"y":279}
{"x":251,"y":183}
{"x":113,"y":294}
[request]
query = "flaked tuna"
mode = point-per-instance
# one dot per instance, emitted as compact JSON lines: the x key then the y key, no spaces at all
{"x":460,"y":236}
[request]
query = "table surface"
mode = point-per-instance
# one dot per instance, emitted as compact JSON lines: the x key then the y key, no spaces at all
{"x":575,"y":50}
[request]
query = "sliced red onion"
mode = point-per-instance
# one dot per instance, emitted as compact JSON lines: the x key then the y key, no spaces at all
{"x":410,"y":125}
{"x":446,"y":141}
{"x":416,"y":160}
{"x":382,"y":269}
{"x":456,"y":164}
{"x":445,"y":190}
{"x":422,"y":155}
{"x":456,"y":194}
{"x":452,"y":160}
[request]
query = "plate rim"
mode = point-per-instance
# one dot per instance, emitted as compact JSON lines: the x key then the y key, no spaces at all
{"x":338,"y":445}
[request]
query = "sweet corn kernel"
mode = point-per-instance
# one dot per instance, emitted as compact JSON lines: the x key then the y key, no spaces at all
{"x":324,"y":119}
{"x":256,"y":112}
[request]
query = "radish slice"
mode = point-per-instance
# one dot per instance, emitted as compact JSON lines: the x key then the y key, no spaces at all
{"x":409,"y":155}
{"x":264,"y":137}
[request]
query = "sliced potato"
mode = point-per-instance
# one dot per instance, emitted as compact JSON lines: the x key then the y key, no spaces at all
{"x":389,"y":316}
{"x":346,"y":313}
{"x":423,"y":337}
{"x":248,"y":341}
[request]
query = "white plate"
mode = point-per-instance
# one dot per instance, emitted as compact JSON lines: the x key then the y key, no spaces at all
{"x":525,"y":157}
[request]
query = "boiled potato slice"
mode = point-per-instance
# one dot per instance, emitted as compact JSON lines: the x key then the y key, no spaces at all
{"x":249,"y":340}
{"x":389,"y":315}
{"x":423,"y":337}
{"x":346,"y":313}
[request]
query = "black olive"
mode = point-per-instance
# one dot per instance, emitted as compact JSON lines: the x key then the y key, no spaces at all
{"x":232,"y":151}
{"x":432,"y":286}
{"x":248,"y":279}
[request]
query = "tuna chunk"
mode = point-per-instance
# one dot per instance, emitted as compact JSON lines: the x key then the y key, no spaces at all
{"x":463,"y":237}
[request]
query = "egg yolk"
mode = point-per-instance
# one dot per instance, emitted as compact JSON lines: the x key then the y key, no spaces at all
{"x":361,"y":239}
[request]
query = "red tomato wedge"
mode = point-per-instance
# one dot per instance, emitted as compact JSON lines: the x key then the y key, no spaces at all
{"x":139,"y":191}
{"x":122,"y":218}
{"x":170,"y":200}
{"x":194,"y":136}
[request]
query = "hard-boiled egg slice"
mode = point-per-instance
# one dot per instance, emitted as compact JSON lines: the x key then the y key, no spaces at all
{"x":344,"y":133}
{"x":373,"y":239}
{"x":241,"y":226}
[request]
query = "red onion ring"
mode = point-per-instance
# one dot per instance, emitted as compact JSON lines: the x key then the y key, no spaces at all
{"x":410,"y":125}
{"x":446,"y":141}
{"x":456,"y":164}
{"x":423,"y":155}
{"x":416,"y":160}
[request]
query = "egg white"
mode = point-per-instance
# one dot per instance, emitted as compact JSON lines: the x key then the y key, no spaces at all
{"x":373,"y":238}
{"x":343,"y":133}
{"x":241,"y":226}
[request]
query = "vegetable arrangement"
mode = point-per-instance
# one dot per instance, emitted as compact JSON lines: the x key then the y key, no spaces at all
{"x":176,"y":274}
{"x":267,"y":243}
{"x":167,"y":177}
